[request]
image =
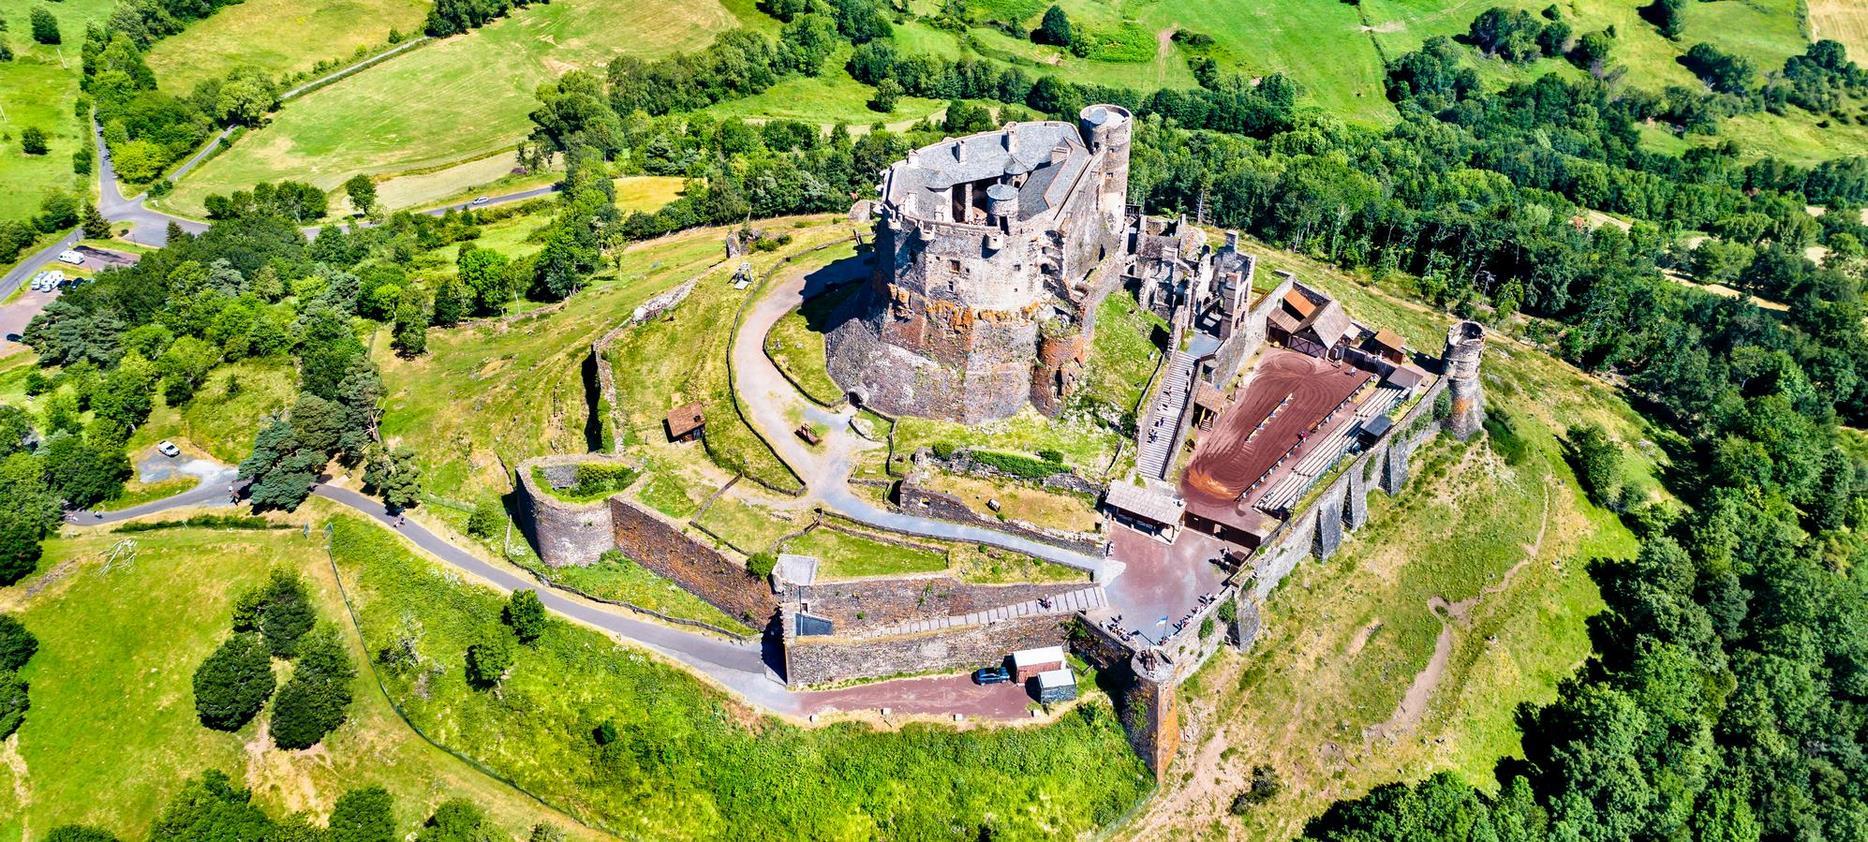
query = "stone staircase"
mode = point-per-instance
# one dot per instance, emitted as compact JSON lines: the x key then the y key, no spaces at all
{"x":1061,"y":605}
{"x":1161,"y":428}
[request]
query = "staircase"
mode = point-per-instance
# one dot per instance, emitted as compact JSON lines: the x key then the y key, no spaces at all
{"x":1161,"y":428}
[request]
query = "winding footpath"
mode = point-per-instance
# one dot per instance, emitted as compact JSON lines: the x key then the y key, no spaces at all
{"x":742,"y":668}
{"x":770,"y":402}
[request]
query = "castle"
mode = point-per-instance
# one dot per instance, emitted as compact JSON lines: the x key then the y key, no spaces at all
{"x":990,"y":265}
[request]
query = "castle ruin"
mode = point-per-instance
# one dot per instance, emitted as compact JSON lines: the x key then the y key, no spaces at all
{"x":990,"y":264}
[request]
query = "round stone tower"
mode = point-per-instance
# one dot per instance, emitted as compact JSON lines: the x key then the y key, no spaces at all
{"x":1459,"y":363}
{"x":1106,"y":128}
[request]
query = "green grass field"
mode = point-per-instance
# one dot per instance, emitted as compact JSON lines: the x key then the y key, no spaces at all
{"x":626,"y":581}
{"x":39,"y":88}
{"x":846,"y":554}
{"x":692,"y":764}
{"x":463,"y":97}
{"x":796,"y":345}
{"x":489,"y":395}
{"x":1087,"y":447}
{"x":224,"y":426}
{"x":112,"y":732}
{"x":279,"y":37}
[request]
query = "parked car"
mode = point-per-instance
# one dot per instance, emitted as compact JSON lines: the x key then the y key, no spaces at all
{"x":168,"y":448}
{"x":992,"y":675}
{"x":71,"y":256}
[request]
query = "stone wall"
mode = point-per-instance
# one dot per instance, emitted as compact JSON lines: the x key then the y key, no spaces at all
{"x":881,"y":602}
{"x":663,"y":548}
{"x":563,"y":533}
{"x":818,"y":660}
{"x":927,"y":503}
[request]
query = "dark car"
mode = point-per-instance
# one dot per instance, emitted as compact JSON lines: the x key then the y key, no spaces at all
{"x":991,"y":675}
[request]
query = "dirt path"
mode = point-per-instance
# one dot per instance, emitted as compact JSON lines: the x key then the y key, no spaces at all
{"x":1413,"y":706}
{"x":1164,"y":48}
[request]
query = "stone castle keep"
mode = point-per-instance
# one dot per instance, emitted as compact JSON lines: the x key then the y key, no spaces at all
{"x":990,"y":263}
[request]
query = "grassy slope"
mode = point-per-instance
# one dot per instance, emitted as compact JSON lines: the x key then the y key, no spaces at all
{"x":467,"y":95}
{"x":489,"y":395}
{"x":796,"y":344}
{"x":690,"y":763}
{"x":222,"y":426}
{"x":846,"y":555}
{"x":39,"y":87}
{"x":1122,"y":353}
{"x":1345,"y":640}
{"x":279,"y":37}
{"x":630,"y":582}
{"x":112,"y":732}
{"x":1842,"y":20}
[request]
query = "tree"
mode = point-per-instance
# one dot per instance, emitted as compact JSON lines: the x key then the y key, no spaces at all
{"x":1055,"y":29}
{"x":44,"y":26}
{"x":82,"y":472}
{"x":411,"y":328}
{"x":450,"y":303}
{"x":313,"y":702}
{"x":1598,"y":463}
{"x":95,"y":226}
{"x":362,"y":192}
{"x":459,"y":820}
{"x":279,"y":610}
{"x":17,"y":645}
{"x":234,"y":682}
{"x":546,"y":833}
{"x":364,"y":815}
{"x":526,"y":615}
{"x":13,"y":703}
{"x":483,"y":273}
{"x":888,"y":93}
{"x":19,"y":547}
{"x":210,"y":808}
{"x":1668,"y":16}
{"x":282,"y":469}
{"x":32,"y":140}
{"x":487,"y":663}
{"x":79,"y":833}
{"x":393,"y":475}
{"x":184,"y":366}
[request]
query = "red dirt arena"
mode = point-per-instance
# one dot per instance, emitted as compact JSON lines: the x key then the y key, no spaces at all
{"x":1290,"y":394}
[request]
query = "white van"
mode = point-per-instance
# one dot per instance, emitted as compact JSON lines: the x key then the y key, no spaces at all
{"x":71,"y":256}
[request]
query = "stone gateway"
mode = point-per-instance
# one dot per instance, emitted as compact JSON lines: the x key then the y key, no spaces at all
{"x":990,"y":263}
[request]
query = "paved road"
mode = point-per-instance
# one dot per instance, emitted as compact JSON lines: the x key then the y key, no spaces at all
{"x":740,"y":667}
{"x":771,"y":400}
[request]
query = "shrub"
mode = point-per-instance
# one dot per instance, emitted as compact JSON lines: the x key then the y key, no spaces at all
{"x":1228,"y":611}
{"x":32,"y":140}
{"x":13,"y":703}
{"x":487,"y":518}
{"x":604,"y":733}
{"x":488,"y":662}
{"x":312,"y":704}
{"x":458,"y":820}
{"x":761,"y":564}
{"x":526,"y":615}
{"x":79,"y":833}
{"x":44,"y":26}
{"x":1017,"y":465}
{"x":1265,"y":786}
{"x":364,"y":815}
{"x":17,"y":645}
{"x":942,"y":449}
{"x":1597,"y":459}
{"x":233,"y":683}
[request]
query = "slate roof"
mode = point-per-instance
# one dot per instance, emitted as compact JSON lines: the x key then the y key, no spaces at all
{"x":1152,"y":505}
{"x":919,"y":184}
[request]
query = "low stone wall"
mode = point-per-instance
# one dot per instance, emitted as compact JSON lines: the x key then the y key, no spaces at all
{"x":860,"y":603}
{"x":564,"y":534}
{"x":819,"y":660}
{"x":663,"y":548}
{"x":924,"y":502}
